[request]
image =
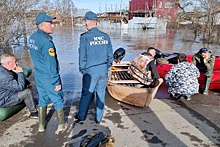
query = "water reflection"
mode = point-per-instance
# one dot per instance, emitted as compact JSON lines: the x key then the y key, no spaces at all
{"x":134,"y":41}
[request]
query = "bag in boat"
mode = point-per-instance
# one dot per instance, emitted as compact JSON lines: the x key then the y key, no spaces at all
{"x":139,"y":69}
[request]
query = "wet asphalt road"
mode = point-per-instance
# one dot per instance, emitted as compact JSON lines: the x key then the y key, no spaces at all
{"x":164,"y":123}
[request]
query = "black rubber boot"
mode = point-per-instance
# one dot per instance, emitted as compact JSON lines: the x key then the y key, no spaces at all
{"x":42,"y":118}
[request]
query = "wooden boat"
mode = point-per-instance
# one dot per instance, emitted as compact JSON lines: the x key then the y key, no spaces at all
{"x":164,"y":67}
{"x":124,"y":88}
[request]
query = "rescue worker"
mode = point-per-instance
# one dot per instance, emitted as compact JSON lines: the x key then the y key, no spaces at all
{"x":46,"y":67}
{"x":14,"y":88}
{"x":95,"y":59}
{"x":204,"y":61}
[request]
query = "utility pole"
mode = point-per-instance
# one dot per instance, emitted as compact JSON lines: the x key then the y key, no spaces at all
{"x":120,"y":7}
{"x":145,"y":10}
{"x":71,"y":14}
{"x":100,"y":11}
{"x":116,"y":8}
{"x":106,"y":9}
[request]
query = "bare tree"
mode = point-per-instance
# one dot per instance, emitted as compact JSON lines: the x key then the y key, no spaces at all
{"x":65,"y":7}
{"x":211,"y":10}
{"x":13,"y":21}
{"x":14,"y":26}
{"x":203,"y":15}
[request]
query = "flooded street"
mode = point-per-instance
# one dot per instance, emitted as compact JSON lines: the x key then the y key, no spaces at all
{"x":134,"y":41}
{"x":164,"y":123}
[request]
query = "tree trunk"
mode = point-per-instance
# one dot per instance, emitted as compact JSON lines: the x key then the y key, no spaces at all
{"x":24,"y":31}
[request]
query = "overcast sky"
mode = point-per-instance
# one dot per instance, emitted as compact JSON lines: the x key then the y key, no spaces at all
{"x":101,"y":5}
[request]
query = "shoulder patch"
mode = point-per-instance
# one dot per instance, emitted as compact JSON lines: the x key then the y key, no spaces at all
{"x":51,"y":52}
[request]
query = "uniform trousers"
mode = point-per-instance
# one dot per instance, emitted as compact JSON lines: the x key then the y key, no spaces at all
{"x":94,"y":84}
{"x":47,"y":93}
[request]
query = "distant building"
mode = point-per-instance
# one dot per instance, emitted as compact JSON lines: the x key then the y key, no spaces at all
{"x":81,"y":12}
{"x":149,"y":8}
{"x":79,"y":15}
{"x":111,"y":16}
{"x":59,"y":18}
{"x":31,"y":15}
{"x":167,"y":9}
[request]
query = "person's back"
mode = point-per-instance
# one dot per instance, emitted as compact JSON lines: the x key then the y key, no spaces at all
{"x":182,"y":78}
{"x":143,"y":68}
{"x":185,"y":74}
{"x":140,"y":68}
{"x":95,"y":58}
{"x":97,"y":44}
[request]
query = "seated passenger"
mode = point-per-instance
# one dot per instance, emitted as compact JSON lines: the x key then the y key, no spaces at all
{"x":204,"y":61}
{"x":182,"y":79}
{"x":14,"y":88}
{"x":143,"y":68}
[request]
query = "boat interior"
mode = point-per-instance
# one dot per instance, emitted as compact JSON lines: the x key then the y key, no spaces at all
{"x":119,"y":75}
{"x":168,"y":58}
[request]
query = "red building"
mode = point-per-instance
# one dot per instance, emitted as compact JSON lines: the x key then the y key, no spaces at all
{"x":158,"y":8}
{"x":141,"y":5}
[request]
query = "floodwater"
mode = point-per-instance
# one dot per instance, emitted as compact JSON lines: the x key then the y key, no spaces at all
{"x":134,"y":41}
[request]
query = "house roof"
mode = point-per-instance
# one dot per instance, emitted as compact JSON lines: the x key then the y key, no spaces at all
{"x":81,"y":12}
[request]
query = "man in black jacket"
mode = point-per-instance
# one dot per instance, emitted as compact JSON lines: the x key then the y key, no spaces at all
{"x":13,"y":85}
{"x":157,"y":81}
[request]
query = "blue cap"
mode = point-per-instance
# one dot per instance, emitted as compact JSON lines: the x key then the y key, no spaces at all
{"x":43,"y":17}
{"x":202,"y":50}
{"x":91,"y":16}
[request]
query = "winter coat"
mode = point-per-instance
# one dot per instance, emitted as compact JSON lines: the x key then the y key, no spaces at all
{"x":183,"y":79}
{"x":10,"y":84}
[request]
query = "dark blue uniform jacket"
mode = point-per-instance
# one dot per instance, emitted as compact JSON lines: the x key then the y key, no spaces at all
{"x":95,"y":49}
{"x":44,"y":57}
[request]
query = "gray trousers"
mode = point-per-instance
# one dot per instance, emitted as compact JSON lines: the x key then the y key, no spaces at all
{"x":27,"y":96}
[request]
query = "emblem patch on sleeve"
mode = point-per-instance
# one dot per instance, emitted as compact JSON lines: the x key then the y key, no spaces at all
{"x":51,"y":52}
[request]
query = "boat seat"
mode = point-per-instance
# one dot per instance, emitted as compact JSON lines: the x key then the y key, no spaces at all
{"x":124,"y":81}
{"x":122,"y":63}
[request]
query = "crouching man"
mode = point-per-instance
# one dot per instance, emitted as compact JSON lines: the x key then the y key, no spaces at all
{"x":182,"y":79}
